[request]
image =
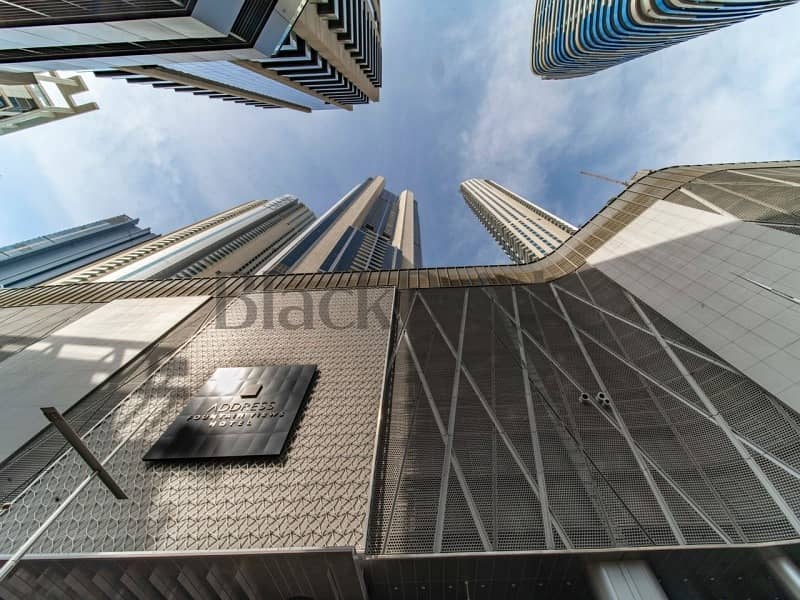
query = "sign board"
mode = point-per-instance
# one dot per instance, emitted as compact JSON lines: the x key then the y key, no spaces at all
{"x":238,"y":413}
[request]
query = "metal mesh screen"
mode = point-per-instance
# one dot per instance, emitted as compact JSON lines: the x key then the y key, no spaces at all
{"x":764,"y":195}
{"x":571,"y":415}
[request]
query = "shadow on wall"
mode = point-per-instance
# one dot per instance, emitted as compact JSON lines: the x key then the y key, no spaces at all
{"x":314,"y":496}
{"x":701,"y":270}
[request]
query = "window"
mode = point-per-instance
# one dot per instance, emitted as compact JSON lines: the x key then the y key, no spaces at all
{"x":22,"y":104}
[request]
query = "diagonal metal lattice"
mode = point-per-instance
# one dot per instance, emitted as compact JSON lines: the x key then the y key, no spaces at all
{"x":584,"y":409}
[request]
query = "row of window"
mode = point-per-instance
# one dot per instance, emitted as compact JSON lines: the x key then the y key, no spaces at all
{"x":522,"y":224}
{"x":485,"y":215}
{"x":232,"y":246}
{"x":159,"y":244}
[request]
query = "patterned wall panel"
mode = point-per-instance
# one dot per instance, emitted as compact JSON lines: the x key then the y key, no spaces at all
{"x":316,"y":495}
{"x":329,"y":575}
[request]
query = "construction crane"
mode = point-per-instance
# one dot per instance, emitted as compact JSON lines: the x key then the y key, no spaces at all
{"x":608,"y":179}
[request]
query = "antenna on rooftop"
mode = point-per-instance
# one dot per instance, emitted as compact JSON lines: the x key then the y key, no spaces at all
{"x":608,"y":179}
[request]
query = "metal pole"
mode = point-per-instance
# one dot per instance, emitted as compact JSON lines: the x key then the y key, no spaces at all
{"x":17,"y":556}
{"x":625,"y":580}
{"x":58,"y":421}
{"x":608,"y":179}
{"x":451,"y":428}
{"x":786,"y":572}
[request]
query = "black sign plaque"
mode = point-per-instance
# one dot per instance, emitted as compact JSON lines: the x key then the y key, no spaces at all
{"x":239,"y":412}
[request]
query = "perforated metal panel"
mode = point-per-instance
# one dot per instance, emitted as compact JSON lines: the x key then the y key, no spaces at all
{"x":767,"y":195}
{"x":314,"y":496}
{"x":596,"y":423}
{"x":735,"y":573}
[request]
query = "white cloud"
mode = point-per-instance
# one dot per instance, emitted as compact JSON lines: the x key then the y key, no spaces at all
{"x":168,"y":158}
{"x":728,"y":96}
{"x":459,"y":101}
{"x":89,"y":166}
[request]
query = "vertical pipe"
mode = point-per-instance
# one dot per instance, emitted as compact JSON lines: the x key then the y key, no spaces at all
{"x":786,"y":572}
{"x":624,"y":580}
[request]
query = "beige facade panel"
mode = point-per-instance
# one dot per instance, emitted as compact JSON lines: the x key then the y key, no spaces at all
{"x":69,"y":363}
{"x":404,"y":235}
{"x":353,"y":217}
{"x":312,"y":28}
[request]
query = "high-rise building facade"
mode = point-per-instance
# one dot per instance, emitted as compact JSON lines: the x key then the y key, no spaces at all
{"x":573,"y":39}
{"x":45,"y":258}
{"x":525,"y":231}
{"x":237,"y":241}
{"x":31,"y":99}
{"x":616,"y":420}
{"x":291,"y":53}
{"x":369,"y":229}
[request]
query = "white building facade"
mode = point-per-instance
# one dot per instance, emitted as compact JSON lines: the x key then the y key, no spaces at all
{"x":524,"y":230}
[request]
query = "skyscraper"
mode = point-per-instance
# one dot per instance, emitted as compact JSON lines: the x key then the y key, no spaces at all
{"x":44,"y":258}
{"x":236,"y":241}
{"x":525,"y":231}
{"x":573,"y":39}
{"x":31,"y":99}
{"x":293,"y":53}
{"x":369,"y":229}
{"x":618,"y":419}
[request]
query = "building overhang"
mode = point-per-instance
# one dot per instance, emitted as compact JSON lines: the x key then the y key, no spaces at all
{"x":617,"y":214}
{"x":342,"y":573}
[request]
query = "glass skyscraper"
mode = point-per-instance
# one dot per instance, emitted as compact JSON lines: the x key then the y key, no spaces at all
{"x":524,"y":230}
{"x":292,"y":54}
{"x":369,"y":229}
{"x":48,"y":257}
{"x":237,"y":241}
{"x":577,"y":38}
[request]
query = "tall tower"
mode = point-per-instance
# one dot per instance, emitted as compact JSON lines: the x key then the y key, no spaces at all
{"x":31,"y":99}
{"x":369,"y":229}
{"x":237,"y":241}
{"x":38,"y":260}
{"x":526,"y":232}
{"x":294,"y":53}
{"x":573,"y":39}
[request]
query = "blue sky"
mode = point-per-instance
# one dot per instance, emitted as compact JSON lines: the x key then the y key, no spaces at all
{"x":458,"y":101}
